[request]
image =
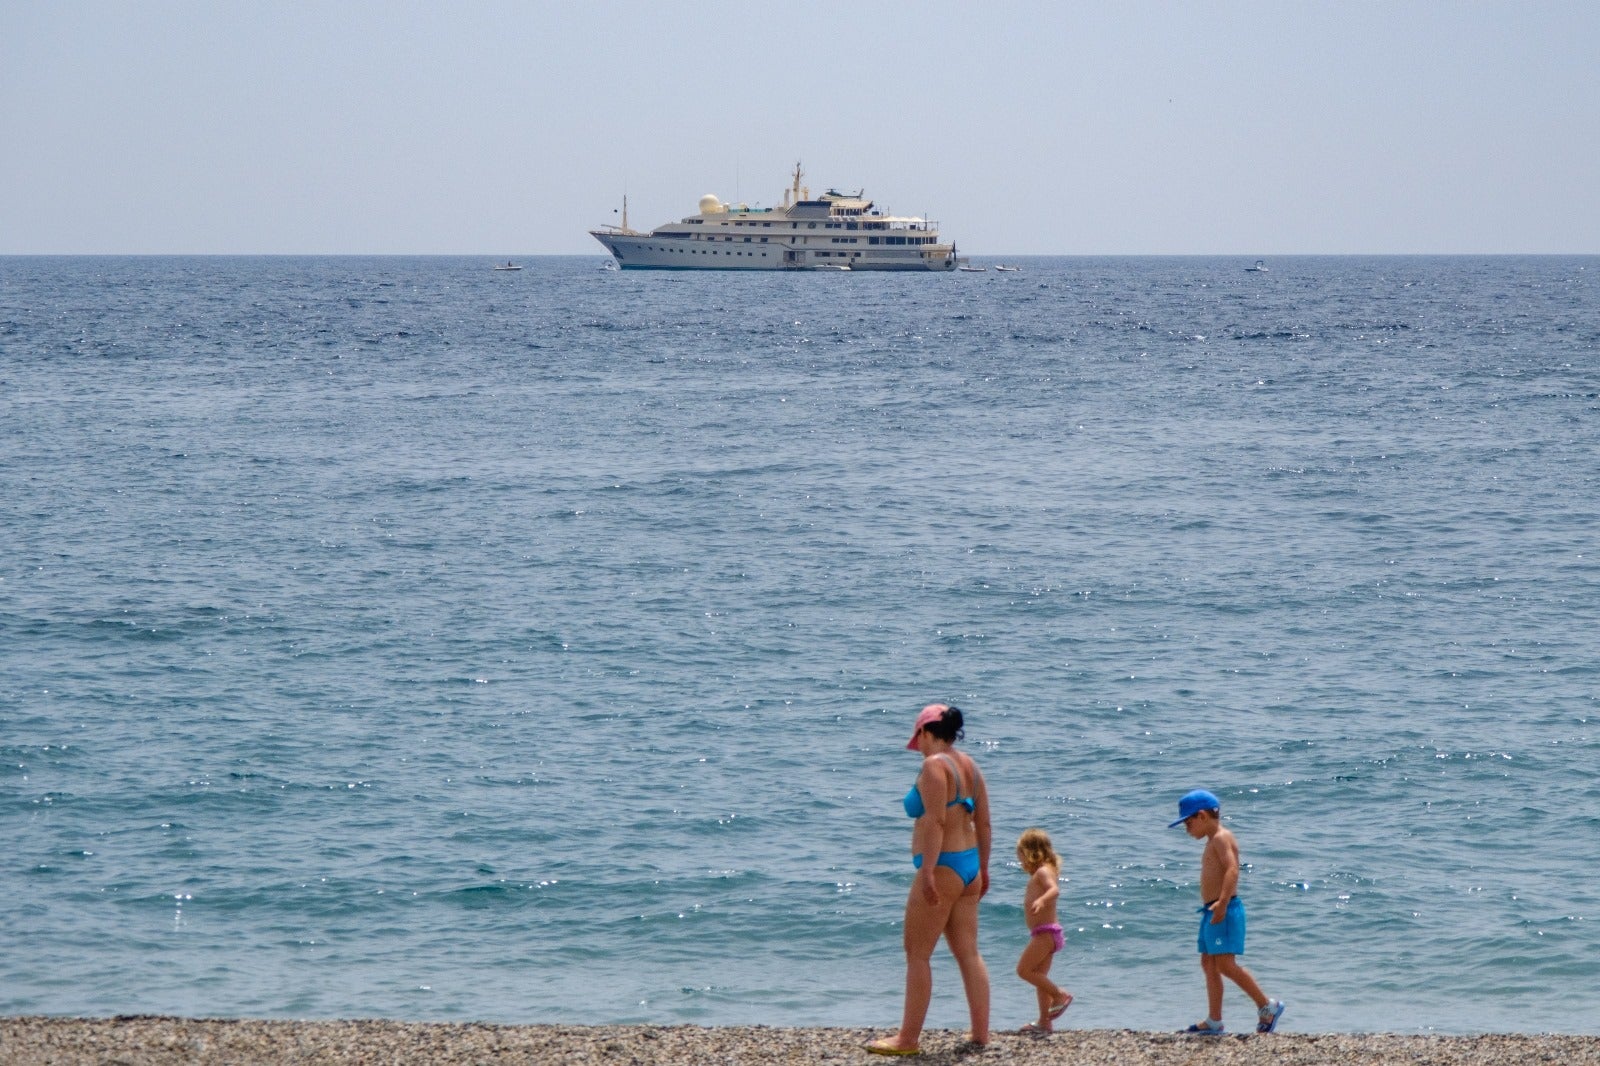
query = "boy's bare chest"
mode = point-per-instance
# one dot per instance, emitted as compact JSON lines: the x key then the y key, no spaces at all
{"x":1212,"y":865}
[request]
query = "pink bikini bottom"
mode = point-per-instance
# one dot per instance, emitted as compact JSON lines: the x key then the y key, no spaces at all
{"x":1053,"y":931}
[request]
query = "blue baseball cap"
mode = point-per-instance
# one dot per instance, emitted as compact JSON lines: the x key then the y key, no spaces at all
{"x":1193,"y":803}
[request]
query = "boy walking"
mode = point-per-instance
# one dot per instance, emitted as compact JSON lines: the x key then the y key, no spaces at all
{"x":1221,"y":916}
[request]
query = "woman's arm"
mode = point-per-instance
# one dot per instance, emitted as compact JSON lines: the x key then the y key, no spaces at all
{"x":980,"y":823}
{"x":927,"y":836}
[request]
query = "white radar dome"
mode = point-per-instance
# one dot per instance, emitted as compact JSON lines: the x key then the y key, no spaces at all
{"x":710,"y":205}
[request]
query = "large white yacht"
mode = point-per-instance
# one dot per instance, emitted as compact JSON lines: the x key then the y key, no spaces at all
{"x":836,"y":231}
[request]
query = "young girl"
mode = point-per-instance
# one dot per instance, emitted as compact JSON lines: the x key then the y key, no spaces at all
{"x":1038,"y":858}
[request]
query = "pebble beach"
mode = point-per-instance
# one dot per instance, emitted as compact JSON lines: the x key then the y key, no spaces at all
{"x":167,"y":1041}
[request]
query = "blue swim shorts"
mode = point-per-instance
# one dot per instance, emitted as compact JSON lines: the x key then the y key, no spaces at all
{"x":1227,"y":936}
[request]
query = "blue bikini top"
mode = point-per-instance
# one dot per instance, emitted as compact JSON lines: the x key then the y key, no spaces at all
{"x":913,"y":801}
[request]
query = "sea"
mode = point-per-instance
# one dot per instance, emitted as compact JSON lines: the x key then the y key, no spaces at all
{"x":401,"y":638}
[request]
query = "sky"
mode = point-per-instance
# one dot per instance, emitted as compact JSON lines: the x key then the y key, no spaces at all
{"x":1113,"y":127}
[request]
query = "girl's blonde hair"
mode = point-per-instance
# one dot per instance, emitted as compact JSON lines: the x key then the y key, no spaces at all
{"x":1034,"y":850}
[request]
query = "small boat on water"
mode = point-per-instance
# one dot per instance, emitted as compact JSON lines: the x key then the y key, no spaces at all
{"x":1008,"y":269}
{"x":1259,"y":268}
{"x":974,"y":270}
{"x":507,"y":265}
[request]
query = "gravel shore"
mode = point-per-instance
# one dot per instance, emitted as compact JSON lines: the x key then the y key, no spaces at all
{"x":156,"y":1041}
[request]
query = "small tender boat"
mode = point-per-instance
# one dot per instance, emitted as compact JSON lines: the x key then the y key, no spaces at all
{"x":974,"y":270}
{"x":1009,"y":269}
{"x":1259,"y":268}
{"x":508,"y":265}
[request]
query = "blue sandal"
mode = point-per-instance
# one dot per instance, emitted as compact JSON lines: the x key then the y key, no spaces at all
{"x":1267,"y":1017}
{"x":1205,"y":1028}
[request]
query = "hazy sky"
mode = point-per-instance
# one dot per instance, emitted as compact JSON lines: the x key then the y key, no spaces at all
{"x":1191,"y":126}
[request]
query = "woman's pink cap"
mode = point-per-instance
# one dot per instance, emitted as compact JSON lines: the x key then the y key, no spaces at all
{"x":931,"y":713}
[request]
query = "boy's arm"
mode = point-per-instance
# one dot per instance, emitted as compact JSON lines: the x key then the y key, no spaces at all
{"x":1227,"y":853}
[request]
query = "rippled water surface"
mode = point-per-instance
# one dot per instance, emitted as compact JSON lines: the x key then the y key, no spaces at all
{"x":398,"y":637}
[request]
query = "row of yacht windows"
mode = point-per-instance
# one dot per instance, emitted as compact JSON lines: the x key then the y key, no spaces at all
{"x":731,"y":251}
{"x":834,"y":240}
{"x":701,"y":251}
{"x":796,"y":225}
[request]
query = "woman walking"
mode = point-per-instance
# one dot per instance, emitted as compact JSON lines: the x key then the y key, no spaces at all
{"x":950,"y":851}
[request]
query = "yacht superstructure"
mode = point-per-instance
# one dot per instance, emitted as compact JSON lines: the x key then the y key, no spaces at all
{"x":836,"y":231}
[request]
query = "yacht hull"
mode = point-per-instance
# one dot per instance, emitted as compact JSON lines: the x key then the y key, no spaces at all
{"x":649,"y":252}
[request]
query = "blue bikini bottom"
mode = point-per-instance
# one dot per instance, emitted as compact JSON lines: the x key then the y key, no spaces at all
{"x":964,"y":863}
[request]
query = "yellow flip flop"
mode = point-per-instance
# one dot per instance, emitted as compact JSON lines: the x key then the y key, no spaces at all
{"x":883,"y":1047}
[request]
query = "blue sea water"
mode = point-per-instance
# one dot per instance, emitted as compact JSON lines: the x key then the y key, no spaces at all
{"x":395,"y":637}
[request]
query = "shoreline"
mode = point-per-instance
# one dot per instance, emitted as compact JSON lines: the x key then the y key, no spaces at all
{"x":149,"y":1040}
